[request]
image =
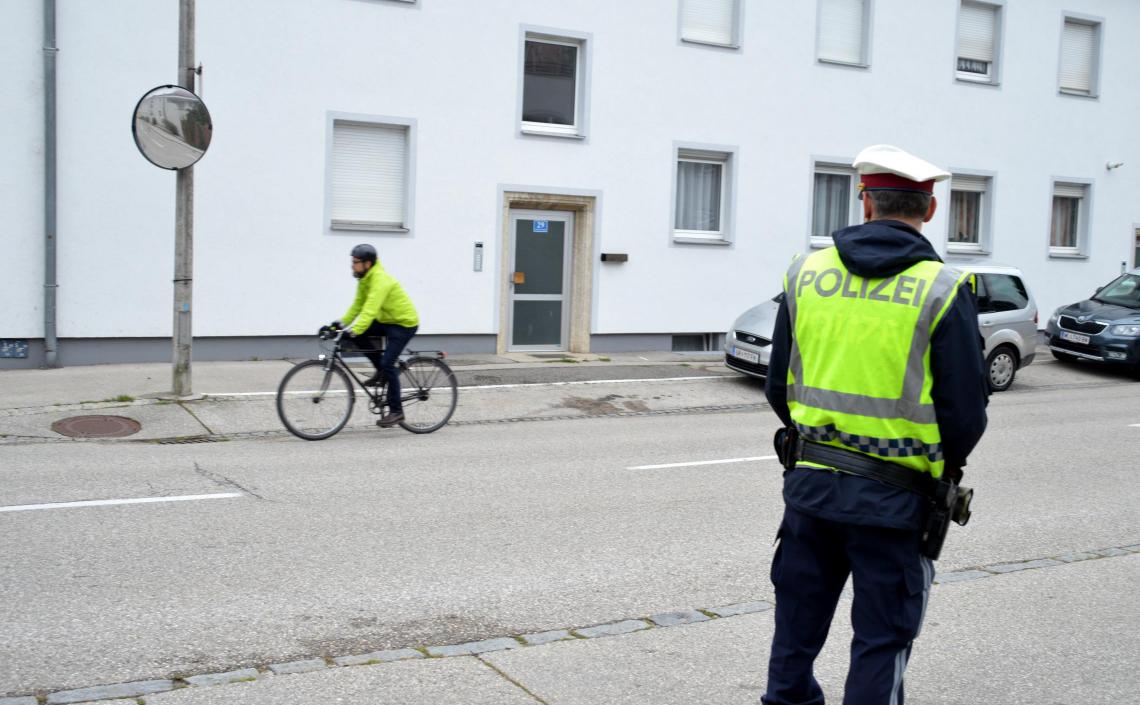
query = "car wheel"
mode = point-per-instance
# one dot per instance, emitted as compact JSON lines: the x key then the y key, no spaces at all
{"x":1064,"y":357}
{"x":1001,"y":366}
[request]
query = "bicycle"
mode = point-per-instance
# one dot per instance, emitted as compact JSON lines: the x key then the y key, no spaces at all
{"x":315,"y":399}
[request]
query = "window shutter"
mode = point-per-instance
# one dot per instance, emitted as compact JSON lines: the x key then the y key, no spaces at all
{"x":708,"y":20}
{"x":369,"y":169}
{"x":1077,"y":44}
{"x":968,"y":183}
{"x":1069,"y":190}
{"x":976,"y":24}
{"x":841,"y":30}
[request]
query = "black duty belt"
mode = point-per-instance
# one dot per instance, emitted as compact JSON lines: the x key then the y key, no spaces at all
{"x":852,"y":463}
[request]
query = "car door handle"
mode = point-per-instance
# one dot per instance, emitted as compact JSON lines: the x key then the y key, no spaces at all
{"x":987,"y":323}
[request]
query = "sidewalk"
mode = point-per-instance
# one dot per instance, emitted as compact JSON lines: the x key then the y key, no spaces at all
{"x":237,"y":398}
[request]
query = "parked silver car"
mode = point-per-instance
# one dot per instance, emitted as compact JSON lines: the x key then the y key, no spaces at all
{"x":1007,"y":322}
{"x":748,"y":343}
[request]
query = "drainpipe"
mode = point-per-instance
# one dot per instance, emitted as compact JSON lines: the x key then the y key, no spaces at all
{"x":51,"y":343}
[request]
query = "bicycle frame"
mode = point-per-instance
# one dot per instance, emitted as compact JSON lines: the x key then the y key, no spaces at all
{"x":379,"y":397}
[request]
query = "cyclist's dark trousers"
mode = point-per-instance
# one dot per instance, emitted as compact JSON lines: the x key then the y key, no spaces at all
{"x":891,"y":584}
{"x":397,"y":337}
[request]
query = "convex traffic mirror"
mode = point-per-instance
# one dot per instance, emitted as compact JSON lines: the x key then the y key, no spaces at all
{"x":172,"y":127}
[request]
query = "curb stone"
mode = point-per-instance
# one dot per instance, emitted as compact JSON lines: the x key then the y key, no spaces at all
{"x":961,"y":576}
{"x":613,"y":628}
{"x":673,"y":619}
{"x":107,"y":692}
{"x":542,"y":638}
{"x":474,"y":647}
{"x":208,"y":679}
{"x":307,"y":666}
{"x":741,"y":608}
{"x":378,"y":657}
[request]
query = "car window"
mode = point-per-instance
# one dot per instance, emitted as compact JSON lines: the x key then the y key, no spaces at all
{"x":1001,"y":292}
{"x":1125,"y":291}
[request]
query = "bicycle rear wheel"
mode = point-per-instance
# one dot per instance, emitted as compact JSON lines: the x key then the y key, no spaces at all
{"x":429,"y":394}
{"x":315,"y":400}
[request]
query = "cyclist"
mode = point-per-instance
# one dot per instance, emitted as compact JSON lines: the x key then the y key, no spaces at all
{"x":381,"y":308}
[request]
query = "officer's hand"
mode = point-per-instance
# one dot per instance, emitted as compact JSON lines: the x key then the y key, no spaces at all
{"x":336,"y":325}
{"x":347,"y":333}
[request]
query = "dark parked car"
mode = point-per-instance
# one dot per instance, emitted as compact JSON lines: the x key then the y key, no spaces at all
{"x":1103,"y":328}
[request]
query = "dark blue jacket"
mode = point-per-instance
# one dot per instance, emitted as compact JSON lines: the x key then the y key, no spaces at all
{"x":960,"y":391}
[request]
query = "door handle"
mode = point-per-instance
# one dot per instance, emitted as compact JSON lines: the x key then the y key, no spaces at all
{"x":518,"y":277}
{"x":987,"y":324}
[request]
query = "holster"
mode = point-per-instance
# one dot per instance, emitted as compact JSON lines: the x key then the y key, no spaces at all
{"x":786,"y":441}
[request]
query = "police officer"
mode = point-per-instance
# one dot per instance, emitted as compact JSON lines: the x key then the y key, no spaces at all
{"x":876,"y":372}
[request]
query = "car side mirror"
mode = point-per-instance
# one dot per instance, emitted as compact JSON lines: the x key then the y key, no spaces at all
{"x":1098,"y":290}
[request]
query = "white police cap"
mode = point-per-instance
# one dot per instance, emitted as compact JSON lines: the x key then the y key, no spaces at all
{"x":886,"y":167}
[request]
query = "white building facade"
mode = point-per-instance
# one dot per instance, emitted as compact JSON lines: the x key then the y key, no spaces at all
{"x":582,"y":175}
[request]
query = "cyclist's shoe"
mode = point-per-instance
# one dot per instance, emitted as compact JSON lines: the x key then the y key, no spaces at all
{"x":390,"y":419}
{"x":375,"y":380}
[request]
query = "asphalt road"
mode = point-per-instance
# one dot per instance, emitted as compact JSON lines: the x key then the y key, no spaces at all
{"x":383,"y":539}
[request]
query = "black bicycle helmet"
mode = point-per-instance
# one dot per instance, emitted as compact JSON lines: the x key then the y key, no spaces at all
{"x":365,"y":253}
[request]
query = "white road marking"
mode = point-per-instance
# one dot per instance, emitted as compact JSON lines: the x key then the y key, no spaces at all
{"x":108,"y":502}
{"x":702,"y":462}
{"x":1134,"y":425}
{"x":512,"y":386}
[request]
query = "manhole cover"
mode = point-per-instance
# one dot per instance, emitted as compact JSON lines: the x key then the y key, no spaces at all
{"x":96,"y":426}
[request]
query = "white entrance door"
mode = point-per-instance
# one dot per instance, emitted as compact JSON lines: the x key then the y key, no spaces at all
{"x":539,"y":279}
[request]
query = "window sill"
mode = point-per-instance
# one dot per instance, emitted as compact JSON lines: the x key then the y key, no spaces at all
{"x":539,"y":132}
{"x":1077,"y":94}
{"x":844,"y":64}
{"x":689,"y":240}
{"x":959,"y":249}
{"x":820,"y":243}
{"x":1053,"y":254}
{"x":715,"y":45}
{"x":369,"y":227}
{"x":980,"y":81}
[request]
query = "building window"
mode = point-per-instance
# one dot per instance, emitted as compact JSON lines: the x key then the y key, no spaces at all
{"x":1080,"y":56}
{"x":553,"y":85}
{"x":833,"y":203}
{"x":702,"y":195}
{"x":979,"y":27}
{"x":1069,"y":220}
{"x":369,"y":172}
{"x":711,"y":22}
{"x":842,"y":32}
{"x":969,"y":213}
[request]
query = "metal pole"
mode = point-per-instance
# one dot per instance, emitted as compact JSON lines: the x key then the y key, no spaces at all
{"x":51,"y":285}
{"x":184,"y":222}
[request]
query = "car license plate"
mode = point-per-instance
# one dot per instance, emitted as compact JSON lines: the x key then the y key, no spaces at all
{"x":745,"y":355}
{"x":1074,"y":337}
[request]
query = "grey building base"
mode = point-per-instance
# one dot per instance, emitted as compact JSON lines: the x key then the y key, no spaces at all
{"x":97,"y":351}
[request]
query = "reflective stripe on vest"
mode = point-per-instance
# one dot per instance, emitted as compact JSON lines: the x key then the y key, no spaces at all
{"x":859,"y":367}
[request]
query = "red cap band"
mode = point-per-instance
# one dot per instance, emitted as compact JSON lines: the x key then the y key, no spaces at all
{"x":893,"y":182}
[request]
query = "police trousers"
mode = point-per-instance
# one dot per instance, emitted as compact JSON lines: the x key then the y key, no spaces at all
{"x":891,"y":583}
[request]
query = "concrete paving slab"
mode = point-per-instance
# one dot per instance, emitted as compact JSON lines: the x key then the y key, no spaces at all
{"x":454,"y":681}
{"x":157,"y":420}
{"x":1009,"y":639}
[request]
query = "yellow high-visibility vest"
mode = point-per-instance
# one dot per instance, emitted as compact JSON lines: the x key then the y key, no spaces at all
{"x":859,"y":368}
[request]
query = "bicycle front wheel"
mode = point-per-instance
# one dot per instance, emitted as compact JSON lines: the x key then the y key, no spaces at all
{"x":429,"y":393}
{"x":314,"y":399}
